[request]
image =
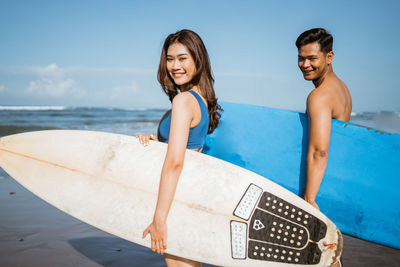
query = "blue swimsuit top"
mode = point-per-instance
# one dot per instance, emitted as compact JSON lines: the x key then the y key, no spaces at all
{"x":197,"y":134}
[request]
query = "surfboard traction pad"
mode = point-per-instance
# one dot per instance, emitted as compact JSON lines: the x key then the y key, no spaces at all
{"x":278,"y":231}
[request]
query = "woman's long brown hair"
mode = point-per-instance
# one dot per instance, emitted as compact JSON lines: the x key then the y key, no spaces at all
{"x":203,"y":76}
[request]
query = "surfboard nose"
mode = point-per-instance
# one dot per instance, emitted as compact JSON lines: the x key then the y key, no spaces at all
{"x":13,"y":143}
{"x":4,"y":145}
{"x":8,"y":141}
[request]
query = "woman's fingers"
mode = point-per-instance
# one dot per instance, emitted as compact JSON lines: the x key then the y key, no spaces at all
{"x":164,"y":243}
{"x":144,"y":138}
{"x":158,"y":247}
{"x":140,"y":138}
{"x":153,"y":241}
{"x":146,"y":232}
{"x":152,"y":137}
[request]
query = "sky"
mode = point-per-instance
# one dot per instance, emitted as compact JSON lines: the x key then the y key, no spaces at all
{"x":106,"y":53}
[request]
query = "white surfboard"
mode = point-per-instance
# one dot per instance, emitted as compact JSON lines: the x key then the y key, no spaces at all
{"x":222,"y":214}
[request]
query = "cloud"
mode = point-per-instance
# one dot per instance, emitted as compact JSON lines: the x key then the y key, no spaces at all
{"x":51,"y":82}
{"x":52,"y":87}
{"x":77,"y":85}
{"x":119,"y":92}
{"x":82,"y":69}
{"x":2,"y":88}
{"x":50,"y":70}
{"x":53,"y":69}
{"x":125,"y":90}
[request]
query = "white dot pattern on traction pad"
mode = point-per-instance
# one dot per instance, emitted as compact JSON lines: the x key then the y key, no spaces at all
{"x":248,"y":202}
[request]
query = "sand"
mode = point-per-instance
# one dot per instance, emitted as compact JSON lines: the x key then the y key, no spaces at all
{"x":33,"y":233}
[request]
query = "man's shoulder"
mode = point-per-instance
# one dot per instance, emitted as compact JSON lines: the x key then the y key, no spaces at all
{"x":318,"y":94}
{"x":319,"y":99}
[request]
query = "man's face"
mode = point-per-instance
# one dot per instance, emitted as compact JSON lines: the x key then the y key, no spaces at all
{"x":312,"y":62}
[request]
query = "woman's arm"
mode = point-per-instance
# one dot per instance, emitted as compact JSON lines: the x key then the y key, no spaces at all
{"x":181,"y":118}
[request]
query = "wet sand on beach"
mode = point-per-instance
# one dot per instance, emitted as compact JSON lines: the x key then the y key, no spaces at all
{"x":33,"y":233}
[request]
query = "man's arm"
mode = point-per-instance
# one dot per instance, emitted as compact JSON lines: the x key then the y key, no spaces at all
{"x":319,"y":122}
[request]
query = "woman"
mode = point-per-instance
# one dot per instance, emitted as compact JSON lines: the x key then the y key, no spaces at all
{"x":185,"y":76}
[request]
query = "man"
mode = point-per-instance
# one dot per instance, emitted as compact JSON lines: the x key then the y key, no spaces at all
{"x":330,"y":99}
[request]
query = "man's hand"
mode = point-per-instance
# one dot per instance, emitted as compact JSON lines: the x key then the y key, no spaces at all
{"x":312,"y":202}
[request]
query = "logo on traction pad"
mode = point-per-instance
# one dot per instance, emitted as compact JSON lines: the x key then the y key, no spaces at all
{"x":258,"y":225}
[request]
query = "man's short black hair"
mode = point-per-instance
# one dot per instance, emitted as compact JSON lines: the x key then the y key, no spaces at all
{"x":319,"y":35}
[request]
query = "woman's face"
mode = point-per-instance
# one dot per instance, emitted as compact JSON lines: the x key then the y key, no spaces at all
{"x":180,"y":64}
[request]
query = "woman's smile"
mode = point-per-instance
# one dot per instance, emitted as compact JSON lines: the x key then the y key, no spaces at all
{"x":180,"y":64}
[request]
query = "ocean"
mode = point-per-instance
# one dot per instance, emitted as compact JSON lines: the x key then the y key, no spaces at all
{"x":130,"y":121}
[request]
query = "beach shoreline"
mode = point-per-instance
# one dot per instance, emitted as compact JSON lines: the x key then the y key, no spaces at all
{"x":34,"y":233}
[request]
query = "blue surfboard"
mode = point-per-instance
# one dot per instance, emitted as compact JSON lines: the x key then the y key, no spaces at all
{"x":360,"y":189}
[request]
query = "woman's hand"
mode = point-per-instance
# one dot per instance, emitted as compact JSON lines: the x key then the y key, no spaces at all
{"x":144,"y":138}
{"x":158,"y":233}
